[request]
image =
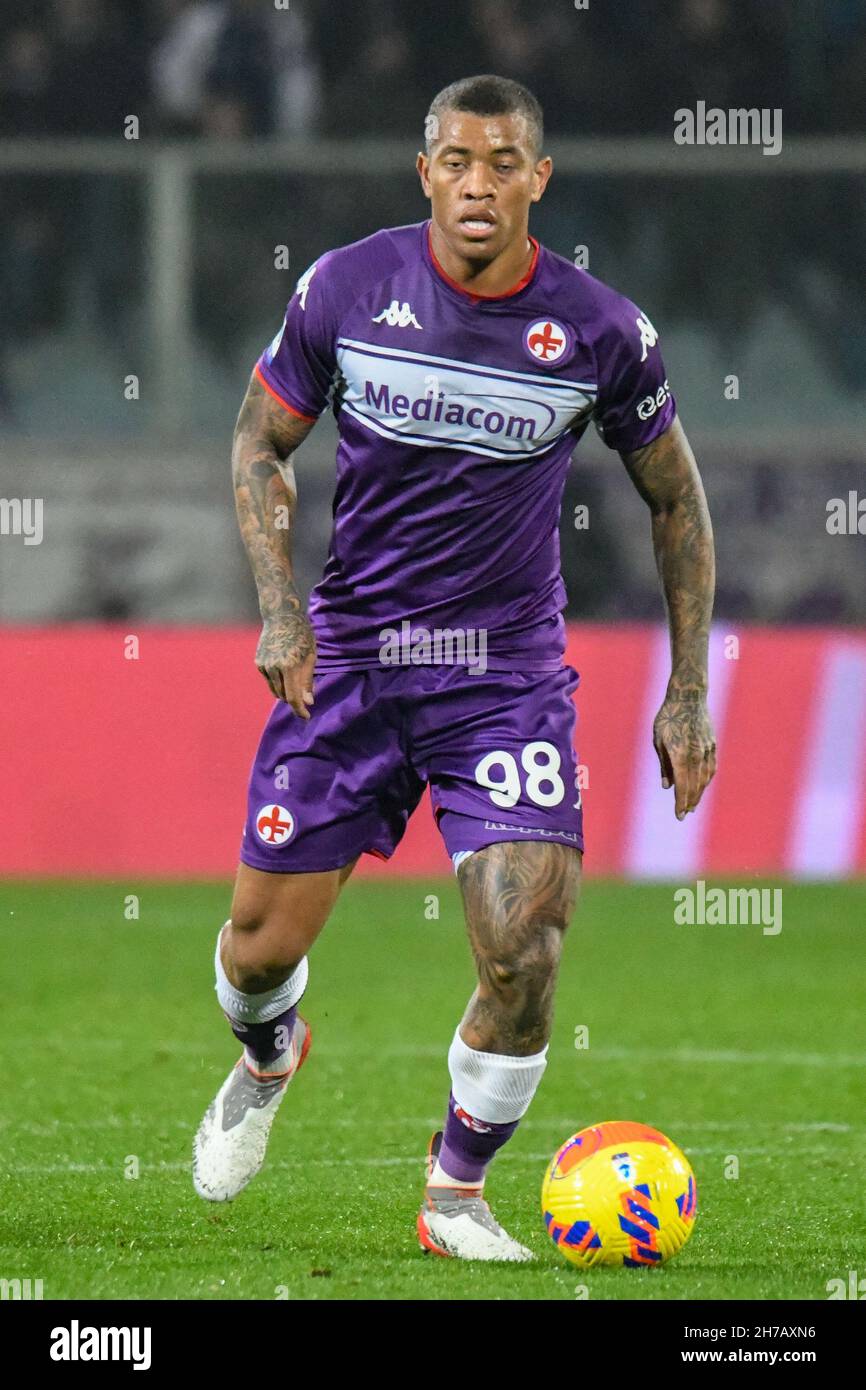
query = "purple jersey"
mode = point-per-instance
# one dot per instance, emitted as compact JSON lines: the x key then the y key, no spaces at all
{"x":458,"y":415}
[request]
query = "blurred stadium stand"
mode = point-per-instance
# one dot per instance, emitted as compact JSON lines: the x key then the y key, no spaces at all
{"x":263,"y":127}
{"x":304,"y":67}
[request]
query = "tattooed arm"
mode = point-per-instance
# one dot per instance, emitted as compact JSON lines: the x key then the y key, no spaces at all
{"x":265,"y":498}
{"x":666,"y":476}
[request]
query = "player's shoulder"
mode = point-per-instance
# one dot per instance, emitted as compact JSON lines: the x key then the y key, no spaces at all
{"x":596,"y":309}
{"x":346,"y":272}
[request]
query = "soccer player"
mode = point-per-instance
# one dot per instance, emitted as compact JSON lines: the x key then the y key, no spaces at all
{"x":463,"y":361}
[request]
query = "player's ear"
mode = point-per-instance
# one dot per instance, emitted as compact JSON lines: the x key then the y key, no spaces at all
{"x":422,"y":164}
{"x":541,"y":176}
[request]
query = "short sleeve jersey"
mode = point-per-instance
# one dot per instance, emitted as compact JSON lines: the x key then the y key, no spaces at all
{"x":457,"y":417}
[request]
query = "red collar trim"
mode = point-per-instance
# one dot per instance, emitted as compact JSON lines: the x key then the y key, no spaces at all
{"x":470,"y":294}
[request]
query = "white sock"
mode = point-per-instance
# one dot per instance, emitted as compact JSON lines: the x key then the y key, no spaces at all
{"x":242,"y":1009}
{"x":494,"y":1088}
{"x":491,"y":1087}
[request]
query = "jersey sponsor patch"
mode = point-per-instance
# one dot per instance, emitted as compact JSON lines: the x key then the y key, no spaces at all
{"x":275,"y":825}
{"x":650,"y":404}
{"x":438,"y":402}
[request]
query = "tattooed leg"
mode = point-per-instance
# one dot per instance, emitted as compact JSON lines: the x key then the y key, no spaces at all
{"x":518,"y":900}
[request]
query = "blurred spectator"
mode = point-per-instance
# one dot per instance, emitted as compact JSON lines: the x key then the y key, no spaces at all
{"x":179,"y":62}
{"x":98,"y":71}
{"x":547,"y":48}
{"x":723,"y":57}
{"x":25,"y":81}
{"x":839,"y":85}
{"x":234,"y":68}
{"x":240,"y":78}
{"x":369,"y":58}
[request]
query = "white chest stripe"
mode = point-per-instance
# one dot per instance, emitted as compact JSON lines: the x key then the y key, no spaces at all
{"x":438,"y":402}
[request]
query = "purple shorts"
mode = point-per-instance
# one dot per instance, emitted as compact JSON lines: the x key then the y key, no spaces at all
{"x":496,"y":749}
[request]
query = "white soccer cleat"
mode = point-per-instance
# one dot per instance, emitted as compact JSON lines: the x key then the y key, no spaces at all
{"x":229,"y":1148}
{"x":457,"y":1222}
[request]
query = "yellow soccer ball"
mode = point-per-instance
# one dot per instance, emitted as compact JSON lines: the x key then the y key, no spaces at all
{"x":619,"y":1193}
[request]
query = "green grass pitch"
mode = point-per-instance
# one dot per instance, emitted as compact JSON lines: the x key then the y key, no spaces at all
{"x":736,"y":1044}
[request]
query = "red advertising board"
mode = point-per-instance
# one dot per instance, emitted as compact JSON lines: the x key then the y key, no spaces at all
{"x":122,"y":759}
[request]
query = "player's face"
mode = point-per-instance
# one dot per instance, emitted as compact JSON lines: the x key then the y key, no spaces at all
{"x":481,"y":178}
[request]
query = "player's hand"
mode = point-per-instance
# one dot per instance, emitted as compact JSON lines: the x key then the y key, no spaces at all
{"x":686,"y":746}
{"x":286,"y":656}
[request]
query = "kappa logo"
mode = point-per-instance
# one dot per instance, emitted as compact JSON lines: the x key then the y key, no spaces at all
{"x":275,"y":345}
{"x":648,"y":335}
{"x":275,"y":825}
{"x":397,"y":315}
{"x":303,"y":285}
{"x":546,"y":341}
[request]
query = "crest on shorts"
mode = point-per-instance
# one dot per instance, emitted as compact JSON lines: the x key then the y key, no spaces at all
{"x":275,"y":825}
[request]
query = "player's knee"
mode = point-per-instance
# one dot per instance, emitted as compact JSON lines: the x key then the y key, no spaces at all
{"x":263,"y":955}
{"x":256,"y":979}
{"x":526,"y":962}
{"x":502,"y":973}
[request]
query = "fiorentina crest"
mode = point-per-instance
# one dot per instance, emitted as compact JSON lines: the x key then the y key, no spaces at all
{"x":275,"y":825}
{"x":547,"y":341}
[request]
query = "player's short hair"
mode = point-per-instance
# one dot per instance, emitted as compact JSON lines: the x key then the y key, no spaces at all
{"x":487,"y":95}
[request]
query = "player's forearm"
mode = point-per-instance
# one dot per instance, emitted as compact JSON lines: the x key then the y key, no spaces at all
{"x":265,"y":501}
{"x":666,"y":476}
{"x":265,"y":496}
{"x":683,"y":542}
